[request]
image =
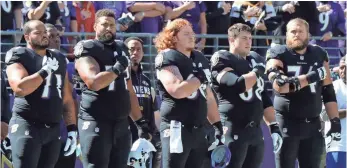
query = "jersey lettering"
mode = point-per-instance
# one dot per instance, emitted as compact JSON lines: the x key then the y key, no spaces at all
{"x":297,"y":71}
{"x":248,"y":96}
{"x":46,"y":89}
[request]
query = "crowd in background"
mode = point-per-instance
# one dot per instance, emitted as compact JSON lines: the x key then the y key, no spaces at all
{"x":326,"y":19}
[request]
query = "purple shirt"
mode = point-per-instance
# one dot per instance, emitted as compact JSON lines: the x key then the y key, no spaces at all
{"x":193,"y":15}
{"x":148,"y":24}
{"x":67,"y":14}
{"x":334,"y":21}
{"x":119,"y":7}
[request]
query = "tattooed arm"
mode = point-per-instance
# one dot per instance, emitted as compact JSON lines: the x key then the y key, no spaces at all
{"x":174,"y":84}
{"x":89,"y":71}
{"x":69,"y":113}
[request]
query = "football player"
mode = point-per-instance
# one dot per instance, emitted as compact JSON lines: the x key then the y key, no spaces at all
{"x":300,"y":76}
{"x":69,"y":160}
{"x":238,"y":78}
{"x":107,"y":97}
{"x":187,"y":99}
{"x":38,"y":78}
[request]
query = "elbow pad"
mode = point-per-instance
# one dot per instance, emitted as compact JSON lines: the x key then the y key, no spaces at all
{"x":328,"y":94}
{"x":232,"y":80}
{"x":267,"y":102}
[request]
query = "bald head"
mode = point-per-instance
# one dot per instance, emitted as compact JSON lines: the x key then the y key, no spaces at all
{"x":31,"y":25}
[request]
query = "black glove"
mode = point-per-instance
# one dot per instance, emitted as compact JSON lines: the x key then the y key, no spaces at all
{"x":317,"y":74}
{"x":200,"y":74}
{"x":275,"y":129}
{"x":258,"y":68}
{"x":294,"y":84}
{"x":218,"y":129}
{"x":335,"y":130}
{"x":143,"y":128}
{"x":121,"y":64}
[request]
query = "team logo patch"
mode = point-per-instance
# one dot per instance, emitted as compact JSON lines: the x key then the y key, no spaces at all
{"x":285,"y":130}
{"x":78,"y":49}
{"x":97,"y":129}
{"x":159,"y":60}
{"x":214,"y":60}
{"x":26,"y":132}
{"x":302,"y":57}
{"x":236,"y":137}
{"x":14,"y":128}
{"x":85,"y":125}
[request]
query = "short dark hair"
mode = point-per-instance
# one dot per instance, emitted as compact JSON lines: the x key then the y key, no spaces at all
{"x":49,"y":26}
{"x":237,"y":28}
{"x":126,"y":41}
{"x":28,"y":27}
{"x":104,"y":12}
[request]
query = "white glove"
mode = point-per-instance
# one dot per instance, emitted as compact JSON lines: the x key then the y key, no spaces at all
{"x":71,"y":143}
{"x":51,"y":65}
{"x":277,"y":142}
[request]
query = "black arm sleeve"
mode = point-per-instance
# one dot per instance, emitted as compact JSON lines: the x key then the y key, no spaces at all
{"x":236,"y":83}
{"x":267,"y":102}
{"x":5,"y":103}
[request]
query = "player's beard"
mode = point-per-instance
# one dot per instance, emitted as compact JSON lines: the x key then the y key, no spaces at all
{"x":297,"y":45}
{"x":106,"y":38}
{"x":39,"y":45}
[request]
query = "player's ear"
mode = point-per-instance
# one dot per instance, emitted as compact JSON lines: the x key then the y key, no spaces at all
{"x":231,"y":39}
{"x":26,"y":37}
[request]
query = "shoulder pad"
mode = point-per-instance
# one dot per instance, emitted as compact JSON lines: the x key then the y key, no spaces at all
{"x":164,"y":58}
{"x":83,"y":47}
{"x":14,"y":54}
{"x":320,"y":51}
{"x":257,"y":57}
{"x":275,"y":51}
{"x":217,"y":55}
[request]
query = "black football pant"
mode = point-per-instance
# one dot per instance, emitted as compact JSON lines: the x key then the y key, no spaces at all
{"x":156,"y":161}
{"x":66,"y":161}
{"x":246,"y":144}
{"x":34,"y":144}
{"x":104,"y":144}
{"x":303,"y":141}
{"x":194,"y":147}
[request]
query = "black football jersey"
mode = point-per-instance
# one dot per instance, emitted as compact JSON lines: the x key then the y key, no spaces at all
{"x":240,"y":106}
{"x":45,"y":104}
{"x":112,"y":102}
{"x":307,"y":102}
{"x":189,"y":110}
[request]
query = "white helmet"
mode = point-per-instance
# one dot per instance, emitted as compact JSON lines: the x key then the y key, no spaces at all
{"x":140,"y":152}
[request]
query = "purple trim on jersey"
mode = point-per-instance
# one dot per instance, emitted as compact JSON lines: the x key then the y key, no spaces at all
{"x":193,"y":15}
{"x":119,"y":7}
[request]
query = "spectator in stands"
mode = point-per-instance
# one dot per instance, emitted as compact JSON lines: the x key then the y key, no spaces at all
{"x":306,"y":10}
{"x":45,"y":11}
{"x":119,"y":8}
{"x":331,"y":23}
{"x":342,"y":43}
{"x":68,"y":23}
{"x":260,"y":16}
{"x":145,"y":95}
{"x":85,"y":16}
{"x":194,"y":12}
{"x":336,"y":150}
{"x":10,"y":14}
{"x":152,"y":11}
{"x":218,"y":22}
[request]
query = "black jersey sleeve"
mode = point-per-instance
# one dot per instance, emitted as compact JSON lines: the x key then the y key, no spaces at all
{"x":275,"y":52}
{"x":220,"y":60}
{"x":320,"y":53}
{"x":84,"y":48}
{"x":165,"y":58}
{"x":15,"y":55}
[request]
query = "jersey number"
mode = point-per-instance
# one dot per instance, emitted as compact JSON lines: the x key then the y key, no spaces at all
{"x":297,"y":70}
{"x":112,"y":85}
{"x":324,"y":20}
{"x":6,"y":6}
{"x":46,"y":90}
{"x":248,"y":96}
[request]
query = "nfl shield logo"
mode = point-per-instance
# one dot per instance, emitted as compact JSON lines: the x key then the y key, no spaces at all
{"x":301,"y":57}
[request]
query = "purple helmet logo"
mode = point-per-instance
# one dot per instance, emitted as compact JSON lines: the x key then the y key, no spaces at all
{"x":220,"y":156}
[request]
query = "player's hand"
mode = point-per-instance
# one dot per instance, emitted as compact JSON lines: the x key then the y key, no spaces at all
{"x":4,"y":130}
{"x":51,"y":65}
{"x":200,"y":74}
{"x":327,"y":36}
{"x":143,"y":129}
{"x":276,"y":137}
{"x":334,"y":134}
{"x":258,"y":68}
{"x":71,"y":143}
{"x":218,"y":132}
{"x":121,"y":64}
{"x":290,"y":8}
{"x":260,"y":26}
{"x":317,"y":74}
